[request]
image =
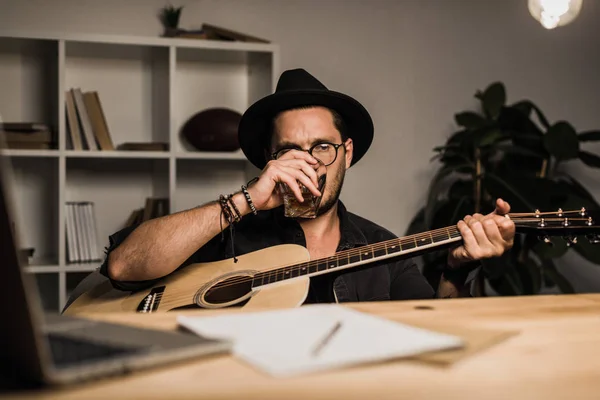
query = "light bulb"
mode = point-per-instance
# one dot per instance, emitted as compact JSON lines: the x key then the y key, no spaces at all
{"x":554,"y":13}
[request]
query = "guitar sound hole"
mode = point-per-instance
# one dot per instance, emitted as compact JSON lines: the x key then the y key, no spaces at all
{"x":228,"y":290}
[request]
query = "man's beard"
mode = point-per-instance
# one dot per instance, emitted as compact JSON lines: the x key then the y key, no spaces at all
{"x":336,"y":182}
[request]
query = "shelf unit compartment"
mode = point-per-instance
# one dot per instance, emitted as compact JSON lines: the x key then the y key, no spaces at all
{"x":33,"y":186}
{"x":206,"y":79}
{"x":117,"y":187}
{"x":260,"y":75}
{"x":132,"y":82}
{"x":201,"y":181}
{"x":29,"y":82}
{"x":47,"y":289}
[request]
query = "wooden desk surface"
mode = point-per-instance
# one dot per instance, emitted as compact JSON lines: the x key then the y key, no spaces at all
{"x":556,"y":354}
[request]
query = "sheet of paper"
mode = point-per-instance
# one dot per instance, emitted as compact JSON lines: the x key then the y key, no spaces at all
{"x":281,"y":342}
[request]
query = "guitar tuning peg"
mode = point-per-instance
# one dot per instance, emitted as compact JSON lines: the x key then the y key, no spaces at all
{"x":546,"y":240}
{"x":593,"y":238}
{"x":571,"y":240}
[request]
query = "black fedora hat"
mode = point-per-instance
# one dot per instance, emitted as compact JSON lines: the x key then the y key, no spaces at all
{"x":297,"y":88}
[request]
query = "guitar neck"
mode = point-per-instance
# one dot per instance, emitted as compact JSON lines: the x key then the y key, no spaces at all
{"x":563,"y":223}
{"x":359,"y":256}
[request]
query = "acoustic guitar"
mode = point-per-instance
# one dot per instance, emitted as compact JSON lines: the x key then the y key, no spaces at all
{"x":279,"y":275}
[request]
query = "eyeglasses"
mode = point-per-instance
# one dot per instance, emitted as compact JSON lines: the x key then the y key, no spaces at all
{"x":325,"y":152}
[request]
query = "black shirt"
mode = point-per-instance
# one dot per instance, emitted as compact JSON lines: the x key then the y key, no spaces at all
{"x":396,"y":280}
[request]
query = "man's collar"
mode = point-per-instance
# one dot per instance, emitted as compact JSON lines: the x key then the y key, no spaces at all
{"x":352,"y":236}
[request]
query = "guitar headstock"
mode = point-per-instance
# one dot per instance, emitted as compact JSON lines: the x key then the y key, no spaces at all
{"x":568,"y":224}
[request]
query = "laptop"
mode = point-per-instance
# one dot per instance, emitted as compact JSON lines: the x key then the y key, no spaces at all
{"x":39,"y":349}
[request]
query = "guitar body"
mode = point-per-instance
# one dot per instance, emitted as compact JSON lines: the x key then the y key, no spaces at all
{"x":207,"y":285}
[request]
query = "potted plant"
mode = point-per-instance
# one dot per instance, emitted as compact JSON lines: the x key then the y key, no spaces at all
{"x":516,"y":153}
{"x":169,"y":17}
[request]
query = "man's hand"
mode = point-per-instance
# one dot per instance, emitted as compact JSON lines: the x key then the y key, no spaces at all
{"x":484,"y":236}
{"x":292,"y":167}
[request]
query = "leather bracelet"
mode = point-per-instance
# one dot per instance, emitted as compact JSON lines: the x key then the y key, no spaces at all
{"x":225,"y":209}
{"x":237,"y":212}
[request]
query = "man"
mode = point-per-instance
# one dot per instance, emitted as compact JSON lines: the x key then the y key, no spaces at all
{"x":301,"y":130}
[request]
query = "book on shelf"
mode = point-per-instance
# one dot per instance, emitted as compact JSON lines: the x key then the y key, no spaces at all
{"x":82,"y":236}
{"x":154,"y":207}
{"x":143,"y":146}
{"x":86,"y":121}
{"x":26,"y":135}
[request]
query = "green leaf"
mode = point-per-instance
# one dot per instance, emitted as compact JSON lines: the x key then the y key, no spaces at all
{"x":591,"y":136}
{"x":470,"y":120}
{"x":463,"y":207}
{"x":490,"y":137}
{"x":515,"y":159}
{"x":499,"y":187}
{"x":448,"y":212}
{"x":460,"y":189}
{"x":433,"y":191}
{"x":522,"y":130}
{"x":519,"y":150}
{"x":517,"y":123}
{"x":463,"y":139}
{"x":523,"y":106}
{"x":458,"y":159}
{"x":494,"y":98}
{"x":589,"y":159}
{"x":526,"y":106}
{"x":447,"y":147}
{"x":561,"y":141}
{"x":550,"y":270}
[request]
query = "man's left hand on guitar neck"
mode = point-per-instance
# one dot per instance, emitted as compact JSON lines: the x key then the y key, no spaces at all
{"x":484,"y":236}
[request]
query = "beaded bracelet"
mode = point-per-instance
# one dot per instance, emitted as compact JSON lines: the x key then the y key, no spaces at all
{"x":248,"y":198}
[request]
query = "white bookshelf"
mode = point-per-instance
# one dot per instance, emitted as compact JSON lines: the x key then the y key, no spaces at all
{"x":148,"y":88}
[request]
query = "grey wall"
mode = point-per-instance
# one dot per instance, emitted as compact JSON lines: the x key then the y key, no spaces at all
{"x":412,"y":63}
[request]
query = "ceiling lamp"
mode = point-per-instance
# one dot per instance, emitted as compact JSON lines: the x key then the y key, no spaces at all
{"x":554,"y":13}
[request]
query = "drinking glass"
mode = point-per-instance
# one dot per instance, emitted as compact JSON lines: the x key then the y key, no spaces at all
{"x":307,"y":209}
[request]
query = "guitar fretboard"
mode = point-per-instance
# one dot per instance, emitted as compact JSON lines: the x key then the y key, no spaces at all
{"x":359,"y":255}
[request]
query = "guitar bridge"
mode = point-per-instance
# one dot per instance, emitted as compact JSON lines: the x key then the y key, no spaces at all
{"x":151,"y":301}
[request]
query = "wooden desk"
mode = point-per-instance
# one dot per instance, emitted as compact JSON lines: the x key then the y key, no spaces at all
{"x":556,"y":354}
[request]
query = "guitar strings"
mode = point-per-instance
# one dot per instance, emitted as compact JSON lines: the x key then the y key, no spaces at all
{"x":375,"y":247}
{"x":447,"y":231}
{"x":350,"y":253}
{"x":433,"y":235}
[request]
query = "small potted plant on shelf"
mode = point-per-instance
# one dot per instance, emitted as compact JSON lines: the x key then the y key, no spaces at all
{"x":169,"y":17}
